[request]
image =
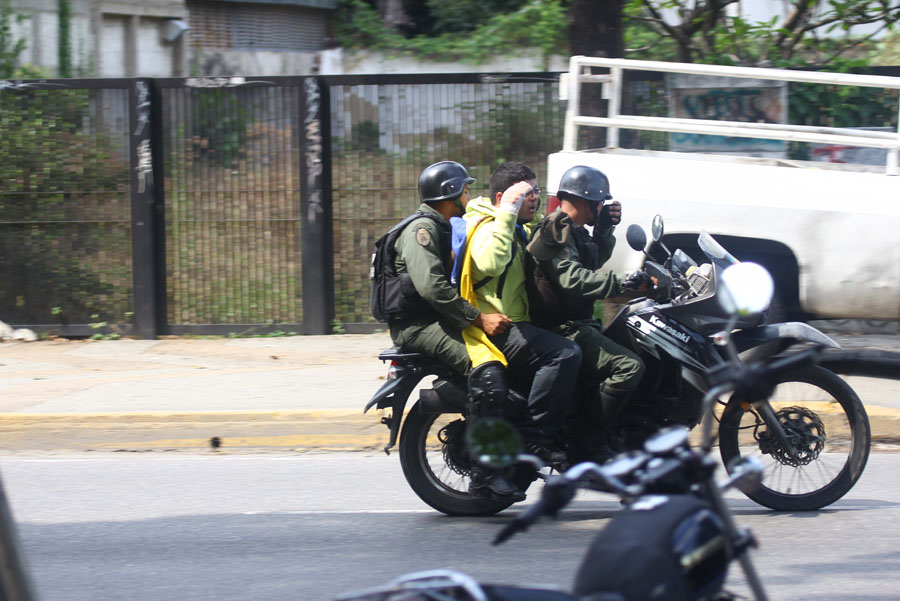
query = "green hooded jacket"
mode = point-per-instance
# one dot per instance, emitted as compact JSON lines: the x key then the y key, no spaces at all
{"x":492,"y":250}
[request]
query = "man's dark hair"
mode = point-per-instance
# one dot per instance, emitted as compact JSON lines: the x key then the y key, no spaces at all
{"x":508,"y":174}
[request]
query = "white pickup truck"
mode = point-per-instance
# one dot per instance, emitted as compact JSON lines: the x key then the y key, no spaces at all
{"x":828,"y":233}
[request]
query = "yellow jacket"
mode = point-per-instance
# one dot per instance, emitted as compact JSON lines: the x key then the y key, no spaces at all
{"x":478,"y":344}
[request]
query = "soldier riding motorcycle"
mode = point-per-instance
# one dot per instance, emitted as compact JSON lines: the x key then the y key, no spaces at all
{"x":810,"y":431}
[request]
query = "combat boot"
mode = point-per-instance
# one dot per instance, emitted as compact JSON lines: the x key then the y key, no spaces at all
{"x":491,"y":483}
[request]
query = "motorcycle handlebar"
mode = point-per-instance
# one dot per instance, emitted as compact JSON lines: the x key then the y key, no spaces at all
{"x":520,"y":523}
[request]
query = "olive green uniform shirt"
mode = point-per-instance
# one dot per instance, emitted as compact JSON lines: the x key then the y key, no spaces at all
{"x":419,"y":254}
{"x":567,"y":270}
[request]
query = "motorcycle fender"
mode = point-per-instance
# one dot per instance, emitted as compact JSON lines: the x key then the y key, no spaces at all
{"x":794,"y":331}
{"x":394,"y":389}
{"x":394,"y":394}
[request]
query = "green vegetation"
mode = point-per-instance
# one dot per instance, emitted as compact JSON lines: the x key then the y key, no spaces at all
{"x":467,"y":31}
{"x":64,"y":238}
{"x":808,"y":35}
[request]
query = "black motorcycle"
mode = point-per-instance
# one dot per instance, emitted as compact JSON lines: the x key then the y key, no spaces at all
{"x":811,"y":432}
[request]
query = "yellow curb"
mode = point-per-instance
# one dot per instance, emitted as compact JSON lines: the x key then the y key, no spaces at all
{"x":324,"y":429}
{"x":181,"y":415}
{"x":320,"y":441}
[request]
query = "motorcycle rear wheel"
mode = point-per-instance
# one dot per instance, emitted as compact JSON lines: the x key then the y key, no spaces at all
{"x":829,"y":426}
{"x":434,"y":480}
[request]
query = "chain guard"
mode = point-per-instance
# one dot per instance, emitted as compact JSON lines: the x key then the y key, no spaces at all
{"x":802,"y":427}
{"x":453,"y":443}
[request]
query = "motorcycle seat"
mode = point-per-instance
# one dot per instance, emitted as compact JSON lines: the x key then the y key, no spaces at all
{"x":395,"y":354}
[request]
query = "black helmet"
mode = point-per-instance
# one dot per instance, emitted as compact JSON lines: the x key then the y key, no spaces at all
{"x":585,"y":182}
{"x":443,"y":181}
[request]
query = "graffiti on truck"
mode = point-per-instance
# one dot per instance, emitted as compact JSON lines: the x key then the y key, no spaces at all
{"x":740,"y":104}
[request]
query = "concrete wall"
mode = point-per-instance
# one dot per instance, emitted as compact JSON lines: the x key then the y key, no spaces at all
{"x":221,"y":63}
{"x":108,"y":39}
{"x":339,"y":61}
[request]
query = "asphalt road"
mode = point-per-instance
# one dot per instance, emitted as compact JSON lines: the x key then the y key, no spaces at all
{"x":158,"y":526}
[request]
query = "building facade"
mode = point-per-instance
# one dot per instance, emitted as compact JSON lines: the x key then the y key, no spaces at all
{"x":174,"y":38}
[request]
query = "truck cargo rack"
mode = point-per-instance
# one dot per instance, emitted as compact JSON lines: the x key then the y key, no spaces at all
{"x":580,"y":72}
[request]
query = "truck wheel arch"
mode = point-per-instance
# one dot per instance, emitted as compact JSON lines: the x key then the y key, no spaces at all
{"x":776,"y":257}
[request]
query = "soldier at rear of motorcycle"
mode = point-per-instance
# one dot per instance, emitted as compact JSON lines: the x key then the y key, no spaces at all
{"x":430,"y":315}
{"x":565,"y":282}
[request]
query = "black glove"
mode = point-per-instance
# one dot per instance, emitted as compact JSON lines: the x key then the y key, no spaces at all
{"x":610,"y":215}
{"x":639,"y":281}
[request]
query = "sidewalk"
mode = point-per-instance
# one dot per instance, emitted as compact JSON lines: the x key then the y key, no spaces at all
{"x":254,"y":394}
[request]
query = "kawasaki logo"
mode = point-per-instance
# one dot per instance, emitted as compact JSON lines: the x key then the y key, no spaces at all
{"x":669,"y":329}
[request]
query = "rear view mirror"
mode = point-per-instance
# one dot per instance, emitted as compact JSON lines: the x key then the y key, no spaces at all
{"x":746,"y":289}
{"x":636,"y":237}
{"x":656,"y":228}
{"x":493,"y":442}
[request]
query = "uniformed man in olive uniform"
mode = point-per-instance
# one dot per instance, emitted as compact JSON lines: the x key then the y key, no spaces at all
{"x":434,"y":314}
{"x":565,"y":285}
{"x":431,"y":314}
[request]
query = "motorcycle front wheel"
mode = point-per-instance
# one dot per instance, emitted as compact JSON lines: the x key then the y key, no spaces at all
{"x":435,"y":463}
{"x":828,"y":428}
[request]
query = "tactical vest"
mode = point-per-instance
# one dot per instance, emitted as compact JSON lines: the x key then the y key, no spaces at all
{"x":548,"y":304}
{"x":393,"y":295}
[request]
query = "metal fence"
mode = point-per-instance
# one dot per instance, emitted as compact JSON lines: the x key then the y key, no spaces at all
{"x":65,"y":212}
{"x":233,"y":205}
{"x":231,"y":163}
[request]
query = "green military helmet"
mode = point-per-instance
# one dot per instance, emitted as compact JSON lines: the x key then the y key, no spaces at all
{"x":445,"y":180}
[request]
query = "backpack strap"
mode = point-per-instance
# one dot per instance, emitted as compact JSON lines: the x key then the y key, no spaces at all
{"x":502,"y":280}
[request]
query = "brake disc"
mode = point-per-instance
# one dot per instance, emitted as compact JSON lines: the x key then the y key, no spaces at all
{"x":803,"y":429}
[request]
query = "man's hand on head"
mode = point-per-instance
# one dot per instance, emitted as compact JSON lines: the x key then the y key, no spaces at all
{"x":512,"y":198}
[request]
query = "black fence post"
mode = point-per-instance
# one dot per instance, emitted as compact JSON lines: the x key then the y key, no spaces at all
{"x":316,"y":228}
{"x":143,"y":216}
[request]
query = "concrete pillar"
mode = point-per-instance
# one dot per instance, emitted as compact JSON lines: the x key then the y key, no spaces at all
{"x":132,"y":27}
{"x":179,"y":56}
{"x":37,"y":54}
{"x":97,"y":28}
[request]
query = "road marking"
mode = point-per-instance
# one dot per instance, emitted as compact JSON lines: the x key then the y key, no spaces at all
{"x":339,"y":512}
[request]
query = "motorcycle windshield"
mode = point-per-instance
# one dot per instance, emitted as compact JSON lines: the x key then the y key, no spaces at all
{"x":715,"y":251}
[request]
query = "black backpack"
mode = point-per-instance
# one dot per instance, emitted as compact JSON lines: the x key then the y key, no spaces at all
{"x":390,"y":293}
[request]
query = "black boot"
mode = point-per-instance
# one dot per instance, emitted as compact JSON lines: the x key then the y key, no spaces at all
{"x":601,"y":416}
{"x":593,"y":442}
{"x":491,"y":483}
{"x":613,"y":401}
